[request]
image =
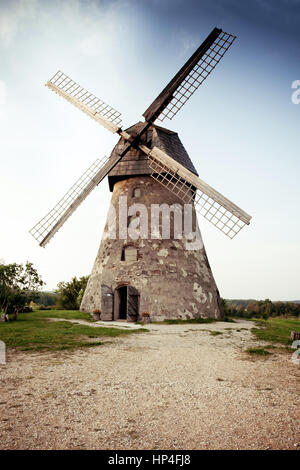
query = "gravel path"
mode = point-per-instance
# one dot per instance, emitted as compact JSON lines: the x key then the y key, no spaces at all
{"x":119,"y":324}
{"x":177,"y":387}
{"x":108,"y":324}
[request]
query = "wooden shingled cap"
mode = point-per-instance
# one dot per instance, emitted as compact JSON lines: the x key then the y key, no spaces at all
{"x":135,"y":161}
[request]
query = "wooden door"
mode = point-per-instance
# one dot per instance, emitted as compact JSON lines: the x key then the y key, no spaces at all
{"x":132,"y":304}
{"x":107,"y":303}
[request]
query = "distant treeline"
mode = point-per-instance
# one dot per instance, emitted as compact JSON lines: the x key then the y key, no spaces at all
{"x":46,"y":298}
{"x":67,"y":296}
{"x":250,"y":308}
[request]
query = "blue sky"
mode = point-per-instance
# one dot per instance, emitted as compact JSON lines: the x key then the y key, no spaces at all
{"x":241,"y":128}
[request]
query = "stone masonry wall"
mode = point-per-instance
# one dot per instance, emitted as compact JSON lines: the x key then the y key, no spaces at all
{"x":173,"y":282}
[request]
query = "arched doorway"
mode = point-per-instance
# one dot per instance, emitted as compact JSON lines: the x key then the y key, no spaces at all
{"x":126,"y":303}
{"x":120,"y":312}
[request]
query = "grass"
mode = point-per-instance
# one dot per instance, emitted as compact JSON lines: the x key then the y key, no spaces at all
{"x":35,"y":332}
{"x":276,"y":330}
{"x":67,"y":314}
{"x":258,"y":351}
{"x":215,"y":333}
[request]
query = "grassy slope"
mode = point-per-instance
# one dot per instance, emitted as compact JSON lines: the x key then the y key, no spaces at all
{"x":33,"y":331}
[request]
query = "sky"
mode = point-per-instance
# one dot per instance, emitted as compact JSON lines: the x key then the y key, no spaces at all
{"x":241,"y":128}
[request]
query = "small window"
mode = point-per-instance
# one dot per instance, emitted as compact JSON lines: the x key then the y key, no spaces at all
{"x":136,"y":192}
{"x":129,"y":253}
{"x":149,"y":138}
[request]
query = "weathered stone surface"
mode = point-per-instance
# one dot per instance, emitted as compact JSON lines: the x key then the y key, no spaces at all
{"x":172,"y":282}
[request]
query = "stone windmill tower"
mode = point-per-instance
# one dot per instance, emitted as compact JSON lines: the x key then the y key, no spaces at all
{"x":151,"y":259}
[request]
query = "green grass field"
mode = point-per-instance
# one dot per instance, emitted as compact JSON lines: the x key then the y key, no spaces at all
{"x":34,"y":331}
{"x":276,"y":330}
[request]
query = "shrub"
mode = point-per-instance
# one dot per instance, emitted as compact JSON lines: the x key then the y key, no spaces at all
{"x":18,"y":287}
{"x":70,"y":293}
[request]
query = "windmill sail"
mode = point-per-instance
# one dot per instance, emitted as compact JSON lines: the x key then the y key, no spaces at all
{"x":220,"y":211}
{"x":85,"y":101}
{"x":46,"y":228}
{"x":190,"y":76}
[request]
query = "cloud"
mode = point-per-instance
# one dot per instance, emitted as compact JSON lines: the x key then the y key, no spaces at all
{"x":188,"y":44}
{"x":99,"y":20}
{"x":3,"y":97}
{"x":89,"y":46}
{"x":3,"y":94}
{"x":14,"y":14}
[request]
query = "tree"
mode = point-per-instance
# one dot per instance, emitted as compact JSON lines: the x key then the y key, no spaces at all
{"x":225,"y":307}
{"x":19,"y":285}
{"x":46,"y":298}
{"x":262,"y":308}
{"x":70,"y":293}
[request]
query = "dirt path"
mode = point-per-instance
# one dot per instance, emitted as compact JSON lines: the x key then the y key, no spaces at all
{"x":108,"y":324}
{"x":177,"y":387}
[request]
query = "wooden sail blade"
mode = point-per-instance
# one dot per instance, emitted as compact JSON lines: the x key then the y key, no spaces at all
{"x":190,"y":76}
{"x":85,"y":101}
{"x":220,"y":211}
{"x":46,"y":228}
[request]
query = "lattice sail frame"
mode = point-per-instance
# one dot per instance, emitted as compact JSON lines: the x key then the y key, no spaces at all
{"x":196,"y":77}
{"x":44,"y":230}
{"x":225,"y":215}
{"x":87,"y":102}
{"x":211,"y":204}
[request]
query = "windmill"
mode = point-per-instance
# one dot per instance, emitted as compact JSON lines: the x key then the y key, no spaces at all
{"x":146,"y":276}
